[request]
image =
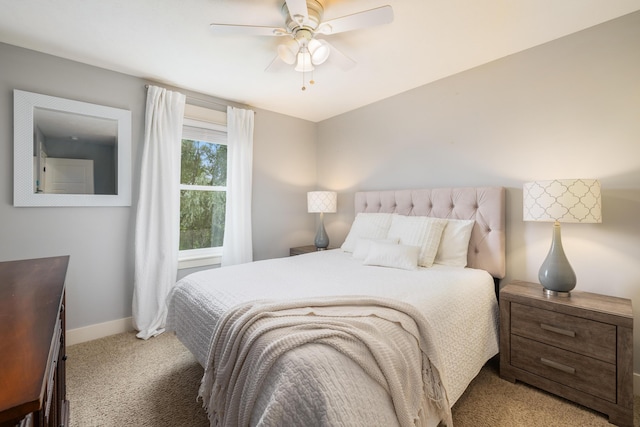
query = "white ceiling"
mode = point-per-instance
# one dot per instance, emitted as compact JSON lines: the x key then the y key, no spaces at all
{"x":169,"y":41}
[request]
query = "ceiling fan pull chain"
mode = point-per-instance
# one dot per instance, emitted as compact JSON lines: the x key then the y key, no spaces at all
{"x":303,"y":86}
{"x":304,"y":66}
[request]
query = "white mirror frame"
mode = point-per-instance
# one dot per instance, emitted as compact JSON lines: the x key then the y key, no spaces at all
{"x":23,"y":110}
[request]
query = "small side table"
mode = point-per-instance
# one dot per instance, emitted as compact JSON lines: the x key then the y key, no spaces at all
{"x":300,"y":250}
{"x":580,"y":348}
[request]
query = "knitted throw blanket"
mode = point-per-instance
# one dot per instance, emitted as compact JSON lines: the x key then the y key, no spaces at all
{"x":389,"y":339}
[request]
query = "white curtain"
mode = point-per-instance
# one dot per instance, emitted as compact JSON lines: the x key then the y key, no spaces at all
{"x":157,"y":230}
{"x":237,"y":247}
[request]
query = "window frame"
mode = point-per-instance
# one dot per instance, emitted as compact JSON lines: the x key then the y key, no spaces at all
{"x":201,"y":257}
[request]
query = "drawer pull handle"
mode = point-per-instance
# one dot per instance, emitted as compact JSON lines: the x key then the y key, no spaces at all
{"x":550,"y":328}
{"x":559,"y":366}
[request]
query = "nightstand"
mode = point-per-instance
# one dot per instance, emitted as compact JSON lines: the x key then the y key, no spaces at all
{"x":303,"y":250}
{"x":580,"y":347}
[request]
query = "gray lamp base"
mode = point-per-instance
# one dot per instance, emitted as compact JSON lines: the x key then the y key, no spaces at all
{"x":556,"y":275}
{"x":322,"y":239}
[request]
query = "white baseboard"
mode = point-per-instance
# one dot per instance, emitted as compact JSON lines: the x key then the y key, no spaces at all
{"x":99,"y":330}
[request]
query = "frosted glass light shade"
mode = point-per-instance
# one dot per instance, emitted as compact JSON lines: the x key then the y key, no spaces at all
{"x":319,"y":51}
{"x":562,"y":200}
{"x":322,"y":201}
{"x":304,"y":62}
{"x":288,"y":52}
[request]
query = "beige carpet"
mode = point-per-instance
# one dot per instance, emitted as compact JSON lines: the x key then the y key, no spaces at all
{"x":122,"y":381}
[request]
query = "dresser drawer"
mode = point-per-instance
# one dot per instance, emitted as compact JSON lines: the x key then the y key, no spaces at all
{"x":583,"y":373}
{"x":586,"y":337}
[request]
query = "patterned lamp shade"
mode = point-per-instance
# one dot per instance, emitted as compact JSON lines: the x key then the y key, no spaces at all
{"x":322,"y":201}
{"x":562,"y":200}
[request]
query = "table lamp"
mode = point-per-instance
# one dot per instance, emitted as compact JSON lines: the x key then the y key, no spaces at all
{"x":557,"y":201}
{"x":322,"y":202}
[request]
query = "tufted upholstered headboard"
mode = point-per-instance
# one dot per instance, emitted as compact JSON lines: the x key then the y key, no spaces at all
{"x":484,"y":204}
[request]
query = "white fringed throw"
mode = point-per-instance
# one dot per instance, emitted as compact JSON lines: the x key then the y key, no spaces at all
{"x":389,"y":339}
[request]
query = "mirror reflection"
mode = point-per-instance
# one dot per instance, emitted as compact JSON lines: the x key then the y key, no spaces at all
{"x":70,"y":153}
{"x":74,"y":153}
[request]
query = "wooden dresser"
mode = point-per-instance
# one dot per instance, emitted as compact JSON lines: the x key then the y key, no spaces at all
{"x":32,"y":347}
{"x":578,"y":347}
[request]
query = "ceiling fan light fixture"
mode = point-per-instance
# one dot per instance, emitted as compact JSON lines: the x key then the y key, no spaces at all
{"x":288,"y":51}
{"x":304,"y":64}
{"x":319,"y":51}
{"x":303,"y":22}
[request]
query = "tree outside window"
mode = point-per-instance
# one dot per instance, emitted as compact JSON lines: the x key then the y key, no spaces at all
{"x":203,"y":186}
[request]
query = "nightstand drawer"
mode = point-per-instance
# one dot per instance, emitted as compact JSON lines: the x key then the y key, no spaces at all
{"x":583,"y":336}
{"x":582,"y":373}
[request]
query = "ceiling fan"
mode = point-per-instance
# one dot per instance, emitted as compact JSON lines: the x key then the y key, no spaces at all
{"x":303,"y":22}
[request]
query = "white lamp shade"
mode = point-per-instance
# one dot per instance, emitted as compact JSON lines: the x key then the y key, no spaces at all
{"x":322,"y":201}
{"x":562,"y":200}
{"x":304,"y":62}
{"x":288,"y":51}
{"x":319,"y":51}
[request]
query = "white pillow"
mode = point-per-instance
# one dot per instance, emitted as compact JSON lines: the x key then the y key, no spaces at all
{"x":421,"y":231}
{"x":364,"y":245}
{"x":368,"y":226}
{"x":454,"y":244}
{"x":395,"y":256}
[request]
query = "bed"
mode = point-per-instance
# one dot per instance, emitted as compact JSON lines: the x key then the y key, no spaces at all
{"x":422,"y":332}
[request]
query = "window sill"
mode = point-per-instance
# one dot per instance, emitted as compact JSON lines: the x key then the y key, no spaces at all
{"x":198,"y":258}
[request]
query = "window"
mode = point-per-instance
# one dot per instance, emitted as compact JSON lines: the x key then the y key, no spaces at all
{"x":203,"y":191}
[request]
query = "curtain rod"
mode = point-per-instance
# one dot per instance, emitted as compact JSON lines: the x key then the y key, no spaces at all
{"x":201,"y":100}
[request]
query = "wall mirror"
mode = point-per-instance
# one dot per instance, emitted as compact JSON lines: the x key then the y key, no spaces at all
{"x":70,"y":153}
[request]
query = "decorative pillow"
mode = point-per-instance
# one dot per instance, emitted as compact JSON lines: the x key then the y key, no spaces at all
{"x":368,"y":226}
{"x":394,"y":256}
{"x":364,"y":245}
{"x":421,"y":231}
{"x":454,"y":244}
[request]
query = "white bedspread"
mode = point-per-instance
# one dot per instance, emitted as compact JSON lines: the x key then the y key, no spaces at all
{"x":459,"y":304}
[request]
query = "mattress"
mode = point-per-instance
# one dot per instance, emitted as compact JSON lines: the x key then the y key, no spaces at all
{"x":459,"y":303}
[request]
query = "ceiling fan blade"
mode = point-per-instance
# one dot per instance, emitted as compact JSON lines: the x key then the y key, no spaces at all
{"x":338,"y":58}
{"x":246,"y":30}
{"x":298,"y":10}
{"x":276,"y":65}
{"x":368,"y":18}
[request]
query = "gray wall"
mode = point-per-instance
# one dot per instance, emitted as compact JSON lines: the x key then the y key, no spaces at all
{"x":567,"y":109}
{"x":284,"y":170}
{"x":100,"y":240}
